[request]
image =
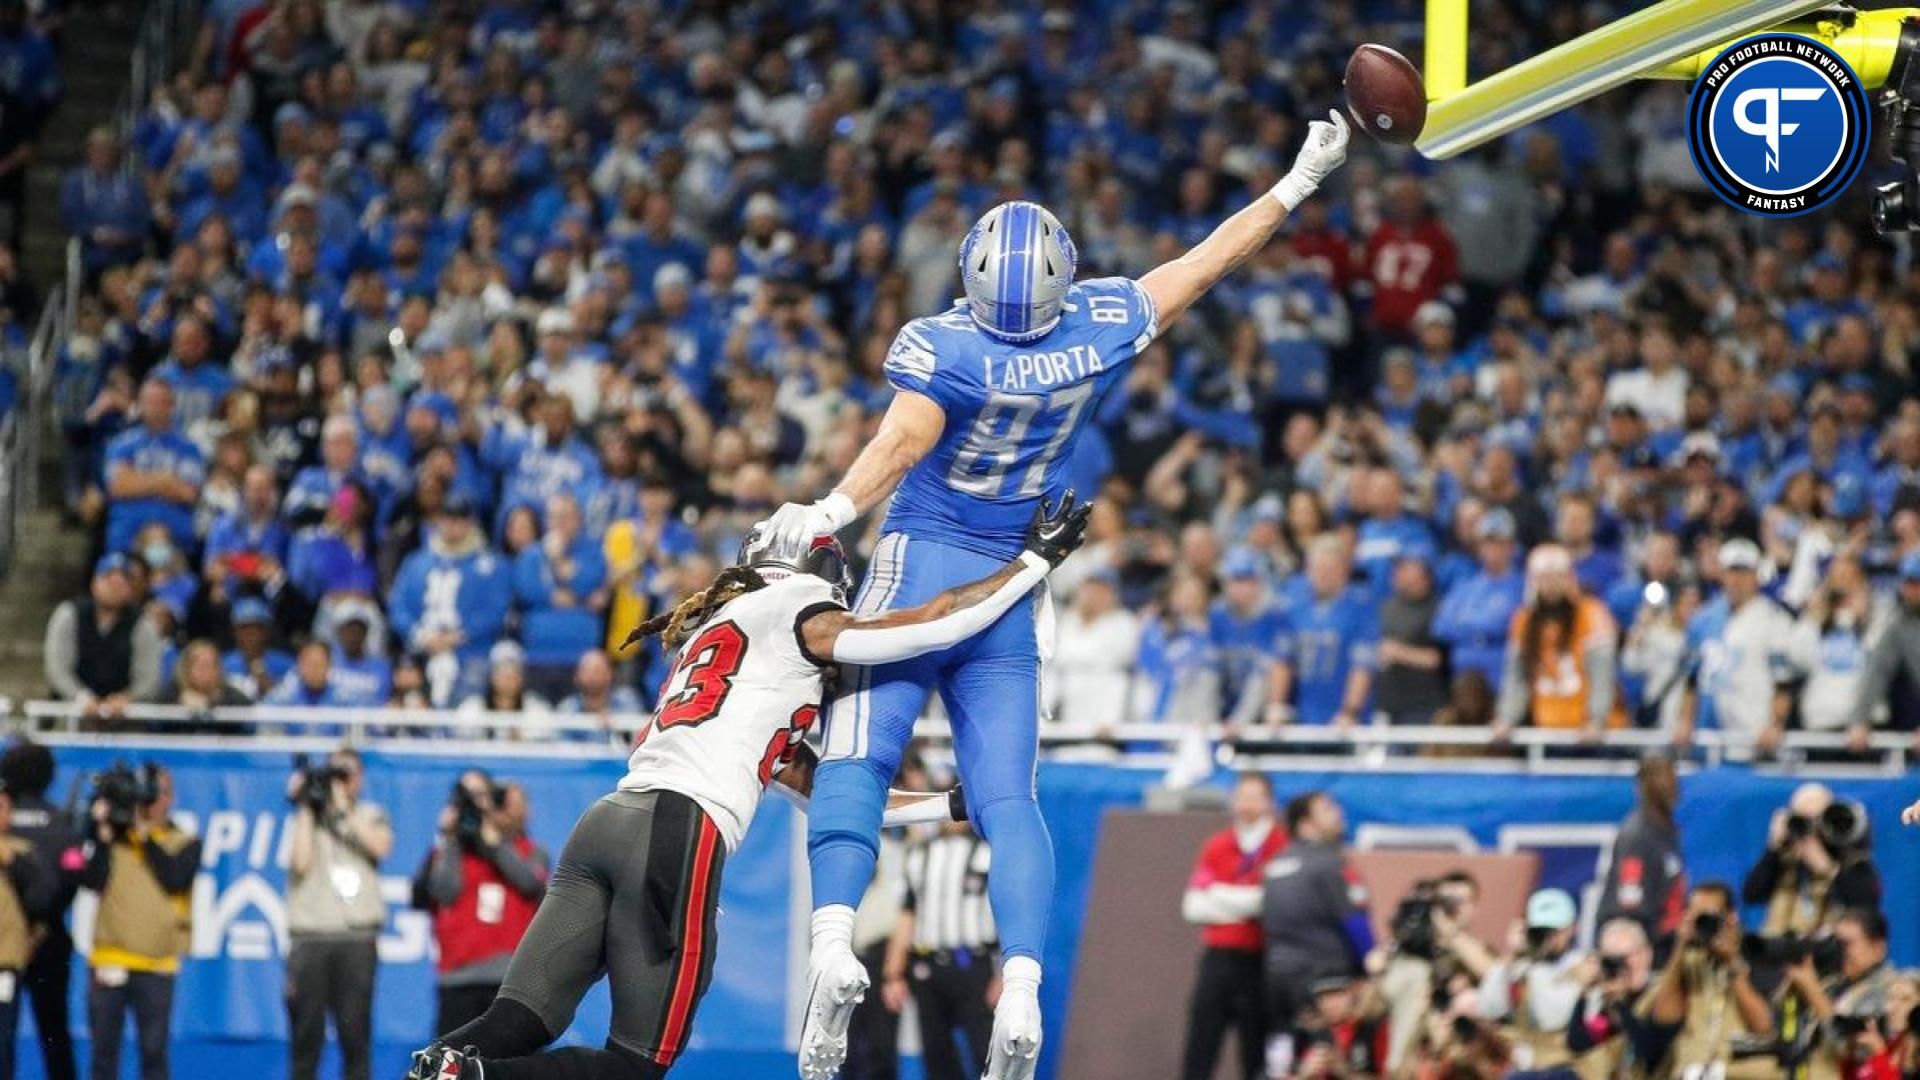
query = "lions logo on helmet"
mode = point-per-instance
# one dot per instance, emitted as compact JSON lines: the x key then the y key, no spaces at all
{"x":824,"y":558}
{"x":1016,"y":266}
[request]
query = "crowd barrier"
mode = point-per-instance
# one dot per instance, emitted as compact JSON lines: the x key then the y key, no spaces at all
{"x":233,"y":792}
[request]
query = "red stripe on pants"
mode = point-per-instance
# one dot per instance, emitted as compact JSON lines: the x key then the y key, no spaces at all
{"x":686,"y":983}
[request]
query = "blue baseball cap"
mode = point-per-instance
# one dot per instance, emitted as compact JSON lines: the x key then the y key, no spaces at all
{"x":114,"y":563}
{"x":251,"y":609}
{"x":457,"y":504}
{"x":1240,"y":564}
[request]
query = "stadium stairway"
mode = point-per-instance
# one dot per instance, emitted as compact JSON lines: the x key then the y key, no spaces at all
{"x":94,"y":56}
{"x":49,"y":562}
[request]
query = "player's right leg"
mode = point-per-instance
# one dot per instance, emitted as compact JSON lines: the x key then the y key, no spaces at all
{"x":866,"y":729}
{"x":993,"y":696}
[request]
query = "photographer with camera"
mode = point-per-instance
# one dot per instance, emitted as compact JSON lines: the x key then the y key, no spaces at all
{"x":142,"y":866}
{"x":26,"y":771}
{"x":482,"y":882}
{"x":1537,"y":983}
{"x":1609,"y":1026}
{"x":1817,"y":864}
{"x":1704,"y":999}
{"x":27,"y":890}
{"x":1849,"y":1005}
{"x":1431,"y":949}
{"x":334,"y":912}
{"x":1342,"y":1035}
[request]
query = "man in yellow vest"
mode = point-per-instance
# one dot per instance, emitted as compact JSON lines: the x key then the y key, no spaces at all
{"x":142,"y":866}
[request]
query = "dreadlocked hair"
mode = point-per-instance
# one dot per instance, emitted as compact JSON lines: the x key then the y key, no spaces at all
{"x":674,"y":627}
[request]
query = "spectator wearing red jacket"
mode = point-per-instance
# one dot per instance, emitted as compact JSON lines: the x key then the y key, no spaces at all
{"x":1223,"y":899}
{"x":1411,"y":259}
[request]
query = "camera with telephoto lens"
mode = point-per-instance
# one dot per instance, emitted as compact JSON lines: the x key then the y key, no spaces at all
{"x":125,"y":789}
{"x":1414,"y":932}
{"x":1896,"y":205}
{"x":1847,"y":1027}
{"x":314,"y":790}
{"x":471,"y":813}
{"x":1612,"y":967}
{"x":1841,"y":827}
{"x":1762,"y":951}
{"x":1707,"y":926}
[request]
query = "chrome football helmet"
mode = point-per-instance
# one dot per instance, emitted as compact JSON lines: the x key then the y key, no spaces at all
{"x":1016,"y":266}
{"x":824,"y":558}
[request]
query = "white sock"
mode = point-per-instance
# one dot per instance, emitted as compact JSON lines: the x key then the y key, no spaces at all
{"x":833,"y":927}
{"x":1020,"y":972}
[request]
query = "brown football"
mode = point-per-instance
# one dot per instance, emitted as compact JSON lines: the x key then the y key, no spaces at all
{"x":1385,"y":95}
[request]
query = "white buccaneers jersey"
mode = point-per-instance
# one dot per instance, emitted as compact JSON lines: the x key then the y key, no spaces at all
{"x":740,"y":700}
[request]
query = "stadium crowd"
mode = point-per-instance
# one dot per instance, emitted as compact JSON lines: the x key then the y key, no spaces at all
{"x":429,"y":345}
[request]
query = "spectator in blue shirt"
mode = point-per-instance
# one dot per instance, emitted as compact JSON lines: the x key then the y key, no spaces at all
{"x":1327,"y":645}
{"x":596,"y":694}
{"x":228,"y":195}
{"x":249,"y":545}
{"x":541,"y":462}
{"x":1595,"y":567}
{"x":153,"y":473}
{"x":1387,"y":532}
{"x":200,"y":386}
{"x":337,"y":557}
{"x":104,"y":206}
{"x":450,"y":602}
{"x":255,"y":664}
{"x":1243,"y":626}
{"x":309,"y":685}
{"x":1477,"y":613}
{"x":362,"y":677}
{"x":560,"y":584}
{"x":314,"y":487}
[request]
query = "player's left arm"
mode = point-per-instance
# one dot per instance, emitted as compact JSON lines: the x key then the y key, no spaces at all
{"x":833,"y":634}
{"x":795,"y":779}
{"x":1174,"y":287}
{"x":912,"y":425}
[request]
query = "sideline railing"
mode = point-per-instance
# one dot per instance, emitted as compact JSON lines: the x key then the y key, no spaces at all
{"x":1154,"y":746}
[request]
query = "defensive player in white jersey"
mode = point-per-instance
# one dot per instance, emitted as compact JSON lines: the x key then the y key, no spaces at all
{"x":638,"y":882}
{"x":991,"y":398}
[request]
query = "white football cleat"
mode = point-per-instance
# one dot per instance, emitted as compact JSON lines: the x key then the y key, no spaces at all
{"x":1014,"y":1051}
{"x":836,"y":982}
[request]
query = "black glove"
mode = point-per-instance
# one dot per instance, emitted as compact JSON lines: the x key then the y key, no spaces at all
{"x":1057,"y":531}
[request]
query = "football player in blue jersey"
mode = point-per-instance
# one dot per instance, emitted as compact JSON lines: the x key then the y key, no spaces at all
{"x":991,"y":398}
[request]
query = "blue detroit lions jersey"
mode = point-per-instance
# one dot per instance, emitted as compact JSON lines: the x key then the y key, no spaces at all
{"x":1014,"y":411}
{"x":1325,"y":642}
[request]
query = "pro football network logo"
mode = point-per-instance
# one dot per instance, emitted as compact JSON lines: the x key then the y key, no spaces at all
{"x":1778,"y":125}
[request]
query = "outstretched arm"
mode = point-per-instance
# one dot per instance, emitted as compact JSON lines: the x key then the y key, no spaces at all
{"x":909,"y":429}
{"x":839,"y":636}
{"x":1175,"y":286}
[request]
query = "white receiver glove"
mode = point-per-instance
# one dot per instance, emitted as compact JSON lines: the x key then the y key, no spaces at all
{"x":795,"y":525}
{"x":1322,"y":152}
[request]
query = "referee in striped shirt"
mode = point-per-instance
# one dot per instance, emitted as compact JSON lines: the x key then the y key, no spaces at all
{"x":945,"y":951}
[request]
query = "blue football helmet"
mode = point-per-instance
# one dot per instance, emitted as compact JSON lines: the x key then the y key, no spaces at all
{"x":1016,"y":266}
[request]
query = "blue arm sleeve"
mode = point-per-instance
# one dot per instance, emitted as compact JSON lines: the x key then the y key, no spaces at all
{"x":1359,"y":930}
{"x":1232,"y":428}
